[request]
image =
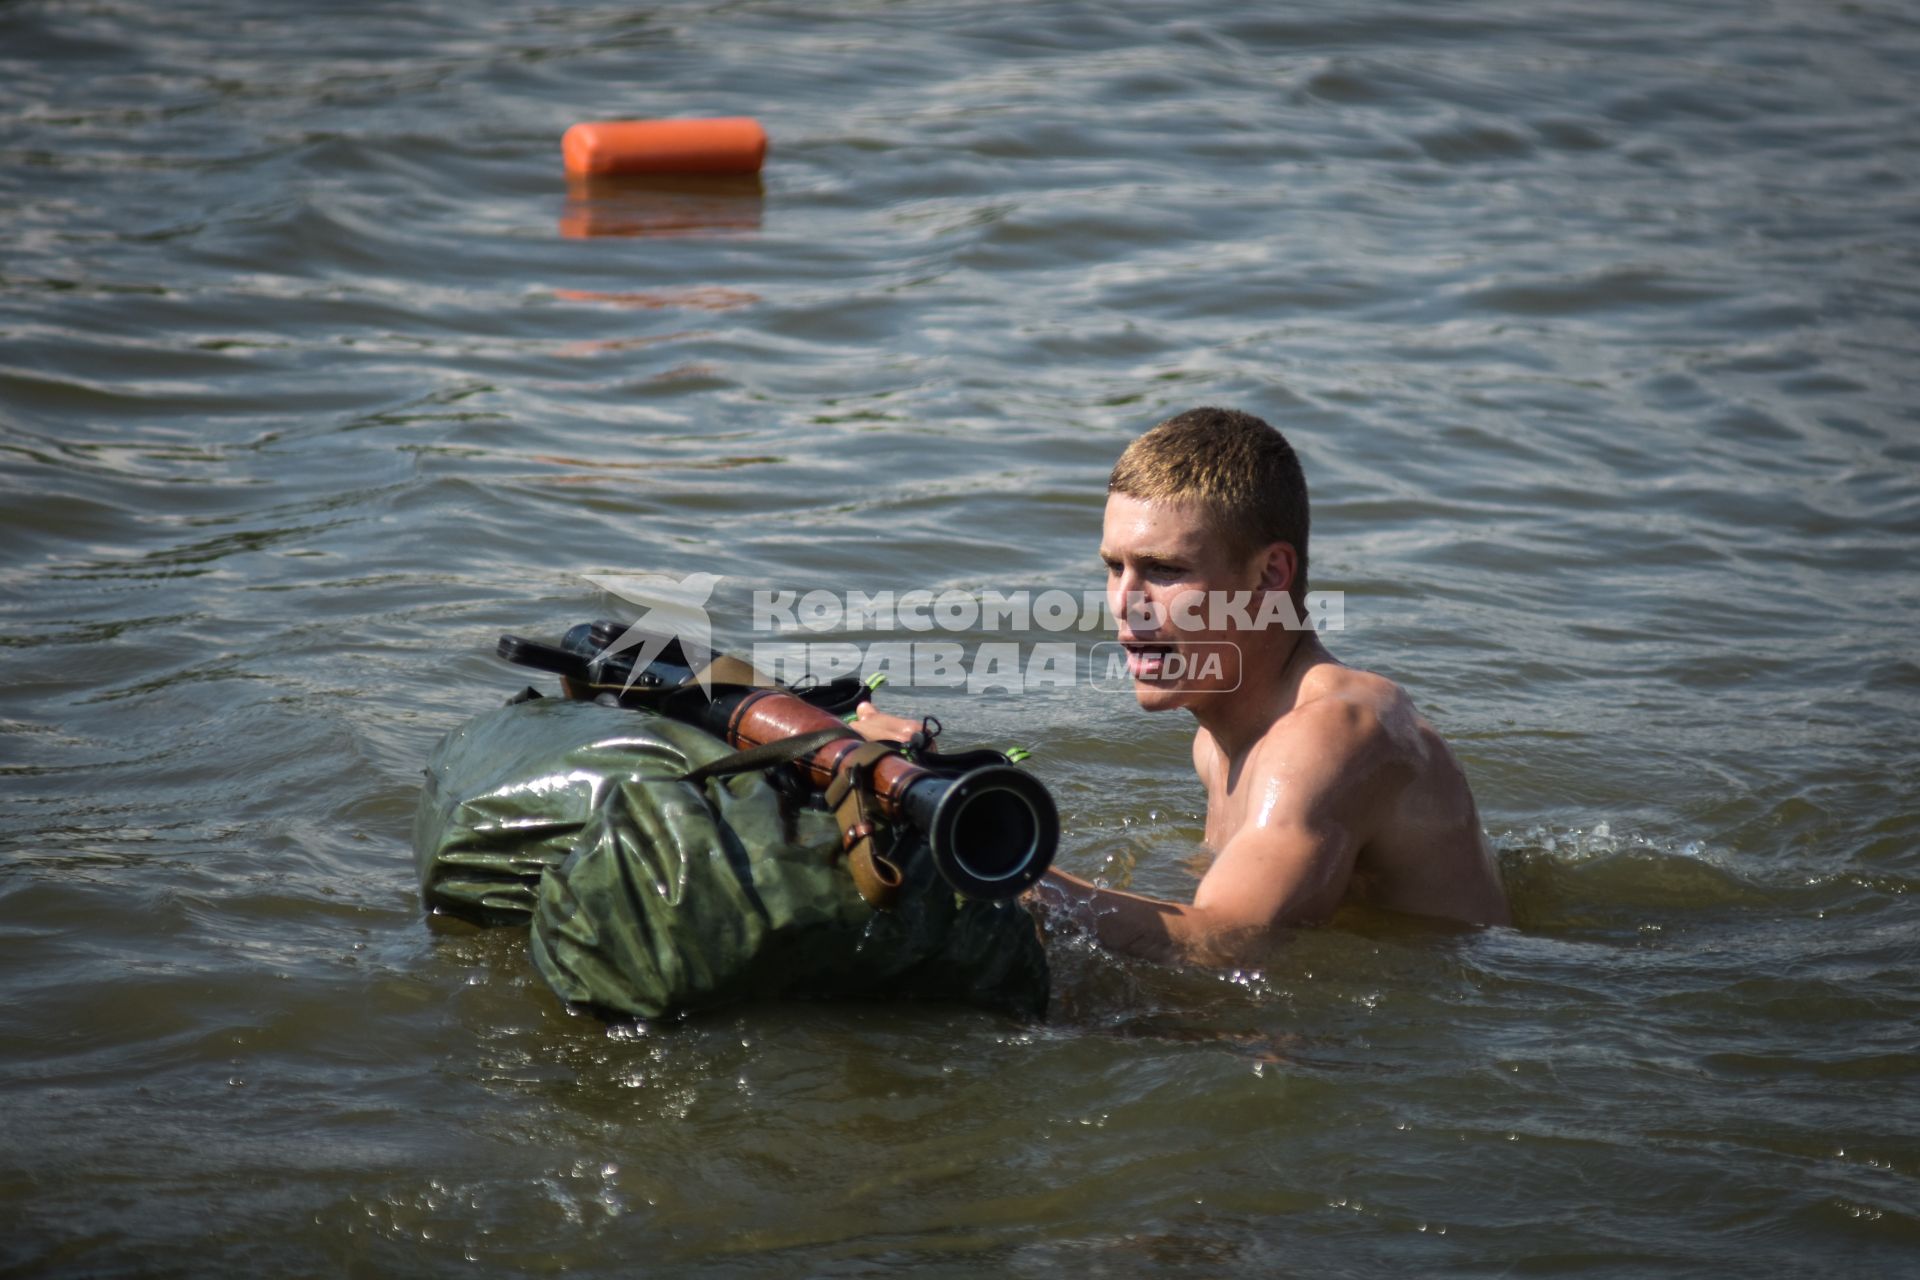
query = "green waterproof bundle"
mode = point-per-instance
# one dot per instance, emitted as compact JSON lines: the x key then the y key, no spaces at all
{"x":651,"y":895}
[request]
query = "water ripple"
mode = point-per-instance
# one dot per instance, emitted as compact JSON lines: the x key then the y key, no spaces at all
{"x":1593,"y":329}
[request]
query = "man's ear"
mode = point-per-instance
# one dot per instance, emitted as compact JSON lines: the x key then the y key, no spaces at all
{"x":1278,"y":564}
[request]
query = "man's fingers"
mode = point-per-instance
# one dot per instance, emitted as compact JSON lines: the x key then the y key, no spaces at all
{"x":875,"y":723}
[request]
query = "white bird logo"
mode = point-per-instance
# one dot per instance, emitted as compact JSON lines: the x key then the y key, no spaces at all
{"x":671,"y":609}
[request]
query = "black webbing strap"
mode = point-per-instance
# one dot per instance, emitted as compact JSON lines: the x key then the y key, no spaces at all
{"x":767,"y":755}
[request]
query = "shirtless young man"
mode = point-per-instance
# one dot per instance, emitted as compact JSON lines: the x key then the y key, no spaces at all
{"x":1324,"y":785}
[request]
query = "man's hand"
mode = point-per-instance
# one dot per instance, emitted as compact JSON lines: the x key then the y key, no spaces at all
{"x":876,"y":725}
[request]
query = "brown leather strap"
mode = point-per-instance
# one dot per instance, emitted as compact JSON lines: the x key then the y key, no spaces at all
{"x":850,"y":796}
{"x":874,"y":875}
{"x":856,"y":770}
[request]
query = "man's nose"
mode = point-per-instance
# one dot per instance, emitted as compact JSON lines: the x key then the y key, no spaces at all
{"x":1134,"y":610}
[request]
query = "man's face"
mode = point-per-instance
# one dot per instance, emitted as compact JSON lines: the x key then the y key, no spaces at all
{"x":1164,"y":565}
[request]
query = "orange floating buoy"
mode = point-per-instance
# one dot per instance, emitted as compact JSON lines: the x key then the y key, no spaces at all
{"x":727,"y":144}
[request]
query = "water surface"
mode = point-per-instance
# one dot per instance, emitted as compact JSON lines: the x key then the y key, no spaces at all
{"x":1593,"y":325}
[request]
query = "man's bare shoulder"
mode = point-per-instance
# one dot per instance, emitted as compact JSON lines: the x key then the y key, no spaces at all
{"x":1353,"y":756}
{"x":1335,"y":682}
{"x":1347,"y":712}
{"x":1348,"y":730}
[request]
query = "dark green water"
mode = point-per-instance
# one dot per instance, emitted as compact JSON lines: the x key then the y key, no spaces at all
{"x":1593,"y":324}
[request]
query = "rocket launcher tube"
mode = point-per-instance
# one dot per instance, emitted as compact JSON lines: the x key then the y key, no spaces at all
{"x":992,"y":830}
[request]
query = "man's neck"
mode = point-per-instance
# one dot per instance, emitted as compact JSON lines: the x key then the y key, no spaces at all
{"x":1268,"y":690}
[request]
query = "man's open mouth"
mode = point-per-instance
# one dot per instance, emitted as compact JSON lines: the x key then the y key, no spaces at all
{"x":1146,"y":659}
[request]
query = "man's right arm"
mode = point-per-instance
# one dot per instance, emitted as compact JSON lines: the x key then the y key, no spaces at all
{"x":1150,"y":928}
{"x":1289,"y":864}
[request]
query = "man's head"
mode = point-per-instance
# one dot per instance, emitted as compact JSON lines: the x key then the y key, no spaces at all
{"x":1241,"y":474}
{"x":1207,"y":507}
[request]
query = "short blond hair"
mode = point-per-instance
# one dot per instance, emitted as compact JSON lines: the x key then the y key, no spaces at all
{"x":1239,"y":470}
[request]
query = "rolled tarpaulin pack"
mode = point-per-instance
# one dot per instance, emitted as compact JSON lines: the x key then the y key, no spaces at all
{"x":650,"y":894}
{"x":615,"y":148}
